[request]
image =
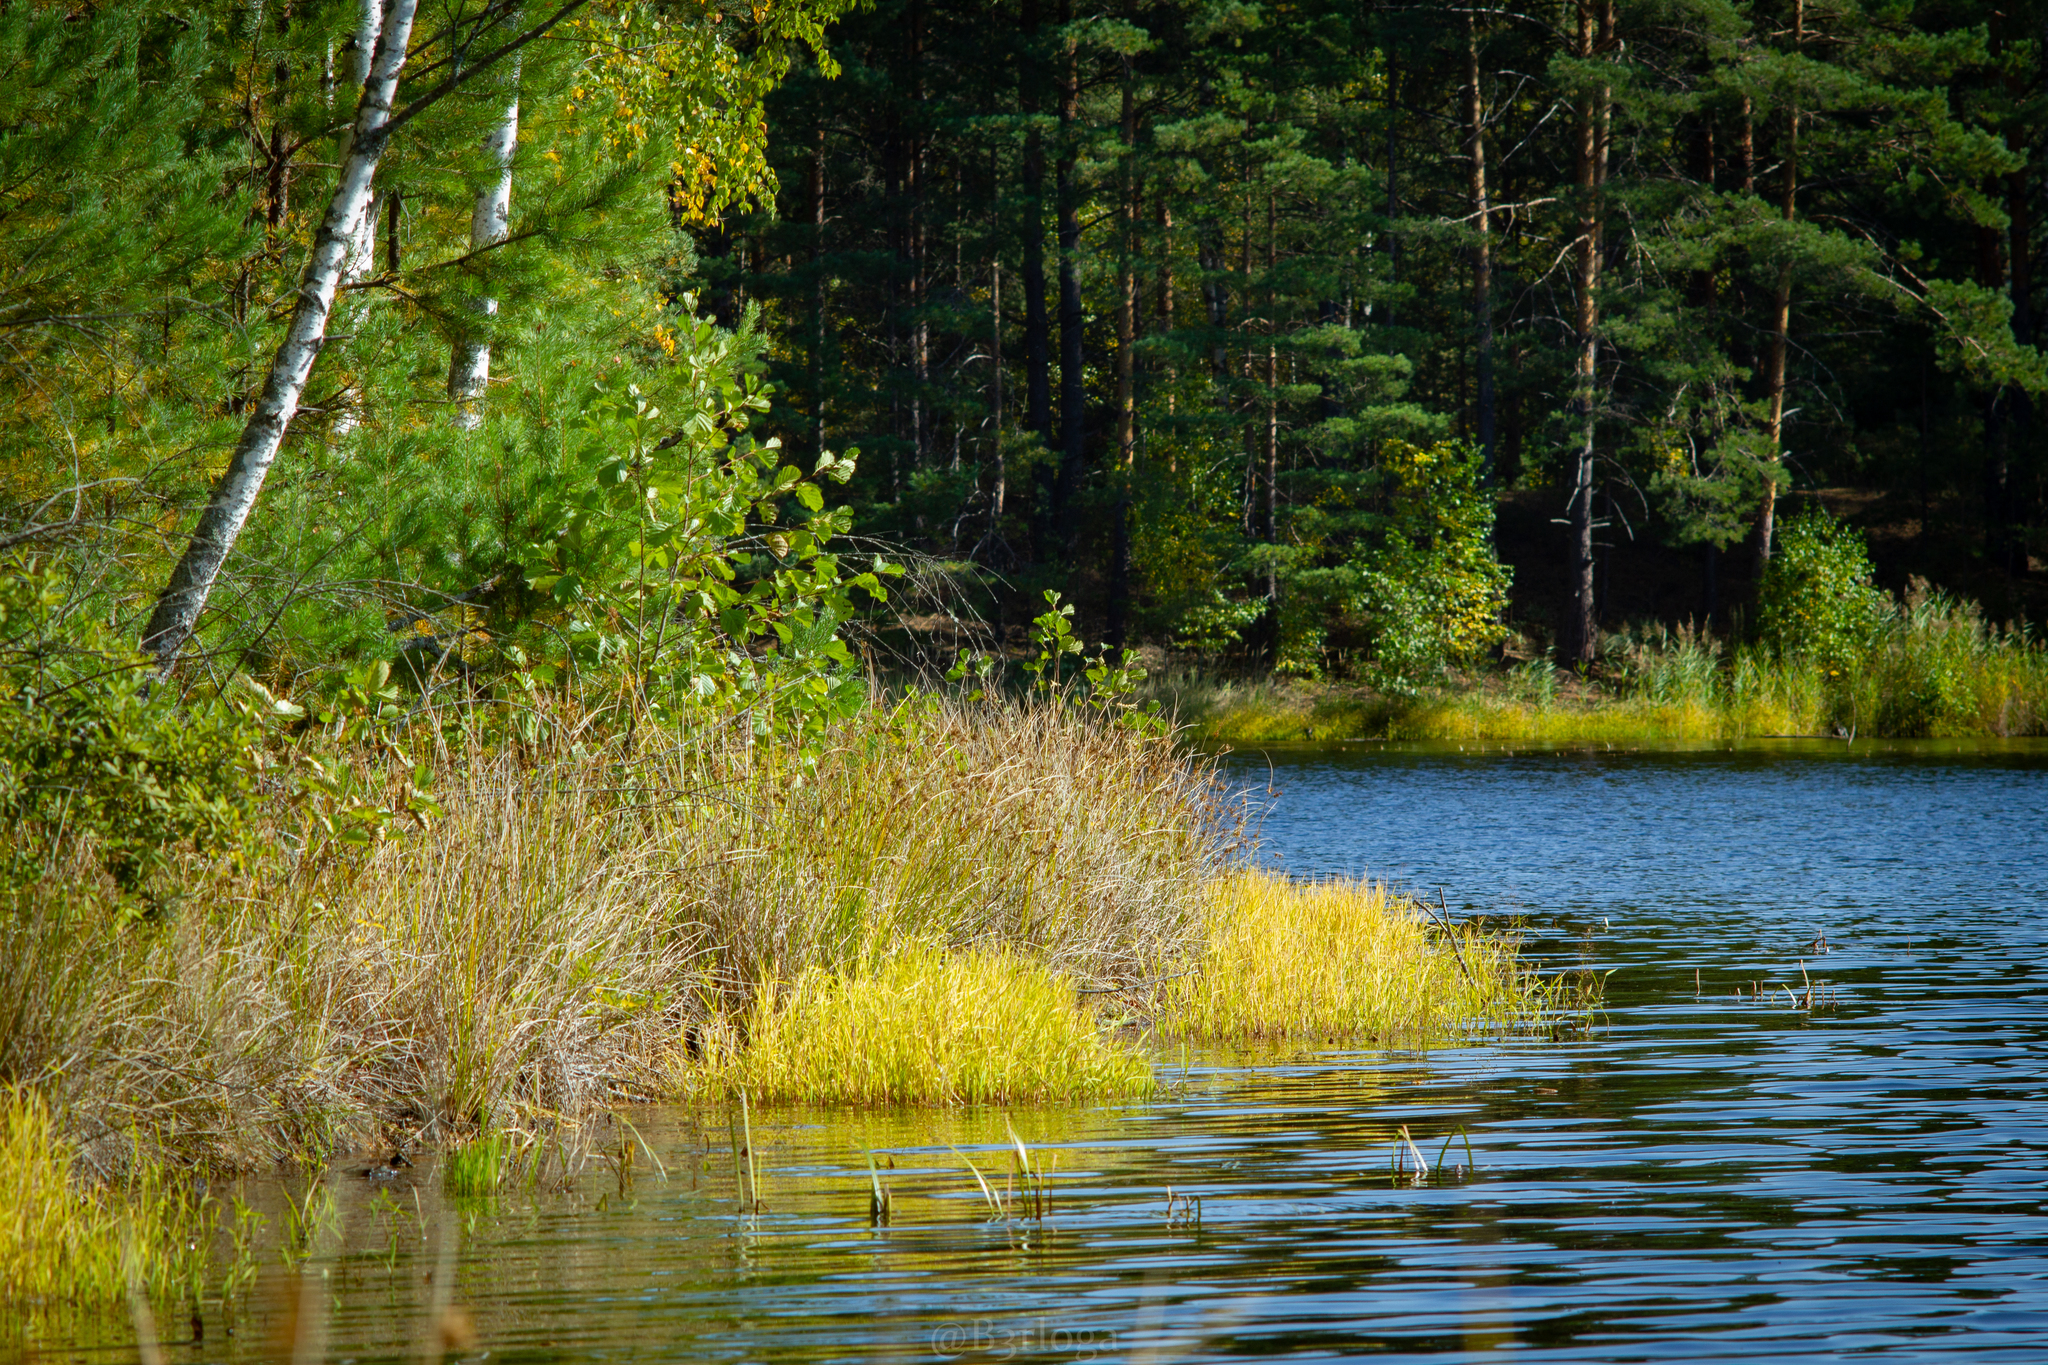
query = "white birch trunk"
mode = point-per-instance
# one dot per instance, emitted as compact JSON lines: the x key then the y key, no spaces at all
{"x":362,"y":231}
{"x":360,"y":262}
{"x":469,"y":361}
{"x":184,"y":596}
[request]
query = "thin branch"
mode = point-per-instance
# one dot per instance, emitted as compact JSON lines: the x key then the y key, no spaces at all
{"x":491,"y":59}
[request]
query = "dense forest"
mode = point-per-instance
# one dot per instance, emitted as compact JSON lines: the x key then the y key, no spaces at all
{"x":1263,"y":333}
{"x":1159,"y":302}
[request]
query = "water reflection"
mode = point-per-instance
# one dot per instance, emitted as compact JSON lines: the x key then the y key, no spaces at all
{"x":1717,"y":1172}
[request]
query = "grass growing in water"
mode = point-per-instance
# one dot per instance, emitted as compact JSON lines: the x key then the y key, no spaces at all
{"x":1277,"y":959}
{"x":928,"y":1026}
{"x":920,"y":916}
{"x":69,"y":1249}
{"x":1348,"y":959}
{"x":478,"y":1167}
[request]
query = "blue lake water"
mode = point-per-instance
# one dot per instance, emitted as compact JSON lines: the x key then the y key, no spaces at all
{"x":1715,"y":1171}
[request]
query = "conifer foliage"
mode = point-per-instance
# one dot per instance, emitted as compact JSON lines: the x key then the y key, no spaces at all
{"x":1145,"y":301}
{"x":1169,"y":306}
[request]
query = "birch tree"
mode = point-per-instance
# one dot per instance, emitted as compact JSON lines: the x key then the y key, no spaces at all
{"x":469,"y":363}
{"x":360,"y":258}
{"x":343,"y":227}
{"x":227,"y":511}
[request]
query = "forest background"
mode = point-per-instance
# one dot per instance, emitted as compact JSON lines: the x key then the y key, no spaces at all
{"x":1263,"y":334}
{"x":1155,"y":304}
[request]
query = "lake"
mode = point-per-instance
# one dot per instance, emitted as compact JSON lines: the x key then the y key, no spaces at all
{"x":1812,"y":1123}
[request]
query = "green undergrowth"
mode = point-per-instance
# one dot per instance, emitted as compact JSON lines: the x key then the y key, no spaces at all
{"x":71,"y":1251}
{"x":1927,"y":667}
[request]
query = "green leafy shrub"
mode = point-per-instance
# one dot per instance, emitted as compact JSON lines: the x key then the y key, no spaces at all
{"x":697,"y":568}
{"x":1816,"y":599}
{"x":1433,"y":591}
{"x":86,"y":752}
{"x":1939,"y":669}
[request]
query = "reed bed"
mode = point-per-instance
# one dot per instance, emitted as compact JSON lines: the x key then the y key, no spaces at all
{"x":1931,"y":668}
{"x":931,"y":910}
{"x":578,"y":924}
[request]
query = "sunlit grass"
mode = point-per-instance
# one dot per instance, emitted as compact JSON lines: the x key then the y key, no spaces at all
{"x":1328,"y":960}
{"x":1267,"y":710}
{"x":1493,"y":718}
{"x":925,"y":1025}
{"x":929,"y":913}
{"x":67,"y":1247}
{"x":479,"y":1166}
{"x":1345,"y":959}
{"x":1935,"y":669}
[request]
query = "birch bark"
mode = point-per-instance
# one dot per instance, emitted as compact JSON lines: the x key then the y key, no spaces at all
{"x":469,"y":362}
{"x":227,"y":511}
{"x":360,"y":258}
{"x":362,"y":230}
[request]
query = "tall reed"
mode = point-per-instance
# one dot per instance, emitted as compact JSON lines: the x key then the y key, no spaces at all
{"x":1929,"y":666}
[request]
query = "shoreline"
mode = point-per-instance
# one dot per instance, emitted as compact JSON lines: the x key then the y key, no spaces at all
{"x":1783,"y":706}
{"x":564,"y":936}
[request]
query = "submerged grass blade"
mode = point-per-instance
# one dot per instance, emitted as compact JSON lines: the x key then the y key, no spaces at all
{"x":995,"y":1205}
{"x":879,"y":1202}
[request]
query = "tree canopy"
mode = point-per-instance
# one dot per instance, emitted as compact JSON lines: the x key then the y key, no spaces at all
{"x":1233,"y":323}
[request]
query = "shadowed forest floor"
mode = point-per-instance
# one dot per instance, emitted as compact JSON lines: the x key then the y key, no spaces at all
{"x":1640,"y":579}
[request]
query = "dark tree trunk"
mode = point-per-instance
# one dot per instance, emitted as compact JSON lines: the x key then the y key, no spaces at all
{"x":1482,"y":256}
{"x":1126,"y":361}
{"x":1781,"y":321}
{"x":999,"y":473}
{"x":915,"y":245}
{"x":1578,"y":632}
{"x":1037,"y":326}
{"x":2019,"y":207}
{"x":818,"y":293}
{"x":1393,"y":196}
{"x":1073,"y":389}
